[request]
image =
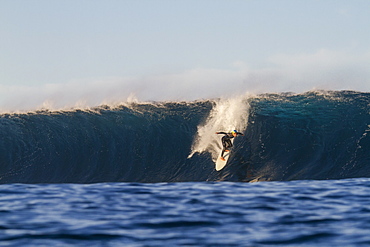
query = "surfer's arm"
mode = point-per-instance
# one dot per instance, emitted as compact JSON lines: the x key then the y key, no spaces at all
{"x":240,"y":133}
{"x":221,"y":133}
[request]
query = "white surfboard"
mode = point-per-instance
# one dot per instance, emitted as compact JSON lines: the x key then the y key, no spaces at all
{"x":219,"y":162}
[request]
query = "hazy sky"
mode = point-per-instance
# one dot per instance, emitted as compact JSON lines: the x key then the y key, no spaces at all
{"x":89,"y":51}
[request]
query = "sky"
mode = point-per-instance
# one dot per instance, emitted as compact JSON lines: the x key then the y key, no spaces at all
{"x":87,"y":52}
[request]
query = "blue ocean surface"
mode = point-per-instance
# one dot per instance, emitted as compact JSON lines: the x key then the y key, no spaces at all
{"x":143,"y":174}
{"x":291,"y":213}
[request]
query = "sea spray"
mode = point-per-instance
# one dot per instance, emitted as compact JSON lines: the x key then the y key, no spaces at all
{"x":226,"y":115}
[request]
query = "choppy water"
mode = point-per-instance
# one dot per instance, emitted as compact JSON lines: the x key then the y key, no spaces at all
{"x":295,"y":213}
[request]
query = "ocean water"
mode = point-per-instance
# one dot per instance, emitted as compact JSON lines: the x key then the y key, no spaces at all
{"x":290,"y":213}
{"x":315,"y":135}
{"x":143,"y":174}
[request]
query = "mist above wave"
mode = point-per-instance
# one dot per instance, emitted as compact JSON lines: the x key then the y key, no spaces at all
{"x":324,"y":69}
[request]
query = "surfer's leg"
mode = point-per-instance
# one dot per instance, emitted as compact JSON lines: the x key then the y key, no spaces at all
{"x":228,"y":144}
{"x":222,"y":154}
{"x":224,"y":145}
{"x":224,"y":140}
{"x":223,"y":151}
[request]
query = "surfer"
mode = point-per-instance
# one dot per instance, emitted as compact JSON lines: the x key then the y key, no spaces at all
{"x":226,"y":141}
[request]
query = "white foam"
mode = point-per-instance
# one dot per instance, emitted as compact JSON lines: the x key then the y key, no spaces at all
{"x":227,"y":114}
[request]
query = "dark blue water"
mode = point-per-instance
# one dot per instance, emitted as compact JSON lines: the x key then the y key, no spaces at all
{"x":143,"y":174}
{"x":295,"y":213}
{"x":315,"y":135}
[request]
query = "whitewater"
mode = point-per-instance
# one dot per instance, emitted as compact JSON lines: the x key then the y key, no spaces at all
{"x":143,"y":173}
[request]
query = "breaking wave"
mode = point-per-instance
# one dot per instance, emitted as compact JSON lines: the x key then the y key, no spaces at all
{"x":314,"y":135}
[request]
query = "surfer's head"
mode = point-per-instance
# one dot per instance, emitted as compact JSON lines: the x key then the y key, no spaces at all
{"x":234,"y":133}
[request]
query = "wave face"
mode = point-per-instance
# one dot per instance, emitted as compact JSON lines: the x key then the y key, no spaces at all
{"x":315,"y":135}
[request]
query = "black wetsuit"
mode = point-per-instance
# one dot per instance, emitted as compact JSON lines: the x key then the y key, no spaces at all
{"x":226,"y":141}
